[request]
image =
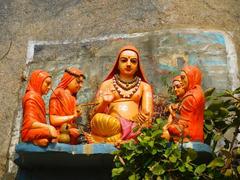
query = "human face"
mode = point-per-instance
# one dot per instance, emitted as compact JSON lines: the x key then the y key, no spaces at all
{"x":184,"y":80}
{"x":128,"y":63}
{"x":178,"y":88}
{"x":75,"y":85}
{"x":46,"y":85}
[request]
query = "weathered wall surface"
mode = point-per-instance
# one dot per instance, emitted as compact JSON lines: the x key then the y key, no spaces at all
{"x":74,"y":20}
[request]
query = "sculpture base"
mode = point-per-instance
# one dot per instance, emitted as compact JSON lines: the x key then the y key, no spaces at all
{"x":204,"y":151}
{"x":63,"y":161}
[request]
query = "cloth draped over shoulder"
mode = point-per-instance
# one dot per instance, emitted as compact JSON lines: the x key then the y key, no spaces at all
{"x":32,"y":102}
{"x":62,"y":103}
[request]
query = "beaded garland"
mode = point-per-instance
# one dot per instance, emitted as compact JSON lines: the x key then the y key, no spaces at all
{"x":126,"y":88}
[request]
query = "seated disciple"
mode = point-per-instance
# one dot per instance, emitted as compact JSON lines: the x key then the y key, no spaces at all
{"x":63,"y":103}
{"x":173,"y":108}
{"x":35,"y":128}
{"x":125,"y":101}
{"x":188,"y":124}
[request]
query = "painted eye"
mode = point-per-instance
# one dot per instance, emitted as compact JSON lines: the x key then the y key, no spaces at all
{"x":134,"y":61}
{"x":123,"y":60}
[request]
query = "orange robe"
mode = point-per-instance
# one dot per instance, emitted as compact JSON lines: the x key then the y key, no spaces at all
{"x":62,"y":103}
{"x":34,"y":108}
{"x":191,"y":119}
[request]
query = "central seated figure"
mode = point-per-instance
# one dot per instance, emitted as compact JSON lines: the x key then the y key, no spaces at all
{"x":125,"y":101}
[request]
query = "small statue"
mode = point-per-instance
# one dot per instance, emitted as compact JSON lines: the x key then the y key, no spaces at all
{"x":63,"y":105}
{"x":125,"y":101}
{"x":188,"y":124}
{"x":35,"y":128}
{"x":173,"y":108}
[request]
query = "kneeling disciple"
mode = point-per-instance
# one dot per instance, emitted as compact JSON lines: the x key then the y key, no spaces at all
{"x":188,"y":124}
{"x":63,"y":104}
{"x":35,"y":128}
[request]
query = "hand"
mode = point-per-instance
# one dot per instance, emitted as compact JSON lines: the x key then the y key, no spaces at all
{"x":141,"y":118}
{"x":108,"y":96}
{"x":74,"y":132}
{"x":53,"y":131}
{"x":165,"y":135}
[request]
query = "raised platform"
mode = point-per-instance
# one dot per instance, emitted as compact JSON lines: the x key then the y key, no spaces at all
{"x":63,"y":161}
{"x":88,"y":161}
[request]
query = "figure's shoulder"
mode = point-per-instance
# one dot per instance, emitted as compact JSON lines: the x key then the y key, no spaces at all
{"x":30,"y":95}
{"x":146,"y":85}
{"x":106,"y":84}
{"x":57,"y":92}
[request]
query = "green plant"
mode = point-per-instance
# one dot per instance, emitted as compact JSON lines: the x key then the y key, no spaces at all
{"x":155,"y":158}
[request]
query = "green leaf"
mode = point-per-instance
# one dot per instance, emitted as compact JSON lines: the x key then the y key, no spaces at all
{"x":238,"y":169}
{"x":208,"y":126}
{"x":238,"y":150}
{"x":217,"y":137}
{"x":157,"y":133}
{"x":133,"y":177}
{"x":208,"y":114}
{"x":117,"y":171}
{"x":182,"y":168}
{"x":228,"y":172}
{"x":209,"y":92}
{"x":158,"y":120}
{"x":223,"y":111}
{"x":147,"y":176}
{"x":172,"y":158}
{"x":154,"y":151}
{"x":151,"y":143}
{"x":200,"y":169}
{"x":157,"y":169}
{"x":218,"y":162}
{"x":189,"y":167}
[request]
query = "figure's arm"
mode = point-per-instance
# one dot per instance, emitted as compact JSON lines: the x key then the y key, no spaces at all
{"x":31,"y":116}
{"x":188,"y":107}
{"x":147,"y":104}
{"x":57,"y":120}
{"x":104,"y":97}
{"x":51,"y":129}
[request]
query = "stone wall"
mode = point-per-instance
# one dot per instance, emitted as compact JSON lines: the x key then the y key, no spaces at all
{"x":75,"y":20}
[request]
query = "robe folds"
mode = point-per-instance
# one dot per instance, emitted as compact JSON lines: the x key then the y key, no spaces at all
{"x":191,"y":110}
{"x":63,"y":103}
{"x":34,"y":108}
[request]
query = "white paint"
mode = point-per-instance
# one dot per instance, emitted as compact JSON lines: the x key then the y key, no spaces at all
{"x":232,"y":61}
{"x":14,"y":140}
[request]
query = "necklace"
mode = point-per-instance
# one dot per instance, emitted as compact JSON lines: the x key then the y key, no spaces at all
{"x":126,"y":89}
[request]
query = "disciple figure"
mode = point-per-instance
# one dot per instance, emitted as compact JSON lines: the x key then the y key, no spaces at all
{"x":35,"y":128}
{"x":63,"y":104}
{"x":188,"y":124}
{"x":173,"y":108}
{"x":125,"y":101}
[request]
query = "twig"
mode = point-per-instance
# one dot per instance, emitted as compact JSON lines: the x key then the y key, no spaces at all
{"x":10,"y":45}
{"x":89,"y":104}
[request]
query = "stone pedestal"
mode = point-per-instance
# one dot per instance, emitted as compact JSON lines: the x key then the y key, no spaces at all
{"x":63,"y":161}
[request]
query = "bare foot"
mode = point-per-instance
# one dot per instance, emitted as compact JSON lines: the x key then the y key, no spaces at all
{"x":41,"y":142}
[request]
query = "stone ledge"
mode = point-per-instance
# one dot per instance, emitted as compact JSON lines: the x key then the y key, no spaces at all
{"x":64,"y":155}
